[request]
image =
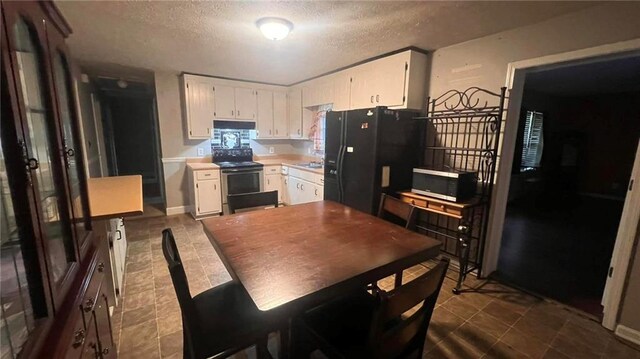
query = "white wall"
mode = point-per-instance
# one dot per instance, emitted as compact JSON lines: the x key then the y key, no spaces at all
{"x":483,"y":62}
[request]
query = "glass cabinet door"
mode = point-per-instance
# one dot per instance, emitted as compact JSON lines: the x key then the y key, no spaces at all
{"x":42,"y":148}
{"x":71,"y":148}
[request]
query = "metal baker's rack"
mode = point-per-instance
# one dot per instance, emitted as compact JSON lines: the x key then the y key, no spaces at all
{"x":463,"y":133}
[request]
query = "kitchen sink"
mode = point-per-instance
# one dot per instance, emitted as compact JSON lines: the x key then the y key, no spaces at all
{"x":310,"y":165}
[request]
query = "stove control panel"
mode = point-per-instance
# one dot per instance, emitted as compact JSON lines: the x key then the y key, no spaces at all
{"x":232,"y":155}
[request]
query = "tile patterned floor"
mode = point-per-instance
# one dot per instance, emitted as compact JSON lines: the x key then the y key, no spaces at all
{"x":490,"y":321}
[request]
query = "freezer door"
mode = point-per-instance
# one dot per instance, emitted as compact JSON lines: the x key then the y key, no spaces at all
{"x":333,"y":146}
{"x":358,"y":160}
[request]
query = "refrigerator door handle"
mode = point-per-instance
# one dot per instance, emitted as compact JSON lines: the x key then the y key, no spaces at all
{"x":339,"y":175}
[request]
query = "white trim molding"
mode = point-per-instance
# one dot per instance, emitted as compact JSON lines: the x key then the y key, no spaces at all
{"x":515,"y":79}
{"x":629,"y":334}
{"x":170,"y":211}
{"x":174,"y":159}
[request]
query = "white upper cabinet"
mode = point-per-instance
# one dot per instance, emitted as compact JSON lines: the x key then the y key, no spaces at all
{"x":295,"y":113}
{"x":318,"y":92}
{"x":280,"y":118}
{"x":391,"y":80}
{"x":363,"y":87}
{"x":199,"y":106}
{"x":225,"y":100}
{"x":265,"y":114}
{"x":245,"y":104}
{"x":341,"y":91}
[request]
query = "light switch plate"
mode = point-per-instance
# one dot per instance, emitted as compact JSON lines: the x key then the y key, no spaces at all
{"x":271,"y":150}
{"x":200,"y":151}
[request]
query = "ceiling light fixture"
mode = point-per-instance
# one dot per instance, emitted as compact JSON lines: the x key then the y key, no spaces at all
{"x":274,"y":28}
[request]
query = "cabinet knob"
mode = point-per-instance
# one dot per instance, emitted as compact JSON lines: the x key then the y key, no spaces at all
{"x":316,"y":191}
{"x":78,"y":338}
{"x":105,"y":351}
{"x":413,"y":202}
{"x":377,"y":98}
{"x":302,"y":187}
{"x":88,"y":304}
{"x":371,"y":98}
{"x":238,"y":112}
{"x":101,"y":265}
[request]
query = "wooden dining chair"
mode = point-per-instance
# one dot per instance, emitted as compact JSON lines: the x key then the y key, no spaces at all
{"x":397,"y":212}
{"x":220,"y":321}
{"x":251,"y":200}
{"x":372,"y":326}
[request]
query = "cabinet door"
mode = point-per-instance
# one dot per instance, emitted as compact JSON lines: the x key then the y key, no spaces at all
{"x":208,"y":196}
{"x":391,"y":79}
{"x":245,"y":104}
{"x":341,"y":92}
{"x":102,"y":320}
{"x":318,"y":193}
{"x":265,"y":114}
{"x":310,"y":95}
{"x":285,"y":189}
{"x":280,"y":120}
{"x":200,"y":107}
{"x":293,"y":190}
{"x":307,"y":123}
{"x":295,"y":113}
{"x":362,"y":88}
{"x":91,"y":350}
{"x":273,"y":183}
{"x":42,"y":148}
{"x":225,"y":102}
{"x":70,"y":133}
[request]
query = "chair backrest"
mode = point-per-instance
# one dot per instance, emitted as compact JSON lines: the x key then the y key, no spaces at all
{"x":401,"y":210}
{"x":393,"y":335}
{"x":181,"y":286}
{"x":250,"y":200}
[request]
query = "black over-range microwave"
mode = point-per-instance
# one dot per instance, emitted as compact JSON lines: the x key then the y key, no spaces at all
{"x":450,"y":185}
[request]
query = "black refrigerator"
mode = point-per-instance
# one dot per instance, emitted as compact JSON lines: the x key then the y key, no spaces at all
{"x":369,"y":152}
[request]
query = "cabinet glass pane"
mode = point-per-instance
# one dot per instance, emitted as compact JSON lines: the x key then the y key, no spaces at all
{"x":62,"y":83}
{"x":17,"y":312}
{"x":42,"y":147}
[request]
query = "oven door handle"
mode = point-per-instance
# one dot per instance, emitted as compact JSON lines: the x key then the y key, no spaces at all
{"x":241,"y":170}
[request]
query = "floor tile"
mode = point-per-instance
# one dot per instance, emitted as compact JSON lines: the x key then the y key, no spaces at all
{"x":489,"y":324}
{"x":501,"y":312}
{"x":171,"y":344}
{"x":137,"y":300}
{"x":501,"y":350}
{"x":139,"y":316}
{"x":457,"y":305}
{"x":525,"y":344}
{"x":141,"y":335}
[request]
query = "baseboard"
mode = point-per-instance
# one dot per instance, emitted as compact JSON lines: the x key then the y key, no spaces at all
{"x":629,"y":334}
{"x":177,"y":210}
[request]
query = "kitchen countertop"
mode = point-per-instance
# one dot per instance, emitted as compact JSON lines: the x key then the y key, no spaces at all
{"x":202,"y":166}
{"x":112,"y":197}
{"x":290,"y":163}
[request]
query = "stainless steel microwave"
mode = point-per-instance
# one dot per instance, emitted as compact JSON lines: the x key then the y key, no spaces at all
{"x":450,"y":185}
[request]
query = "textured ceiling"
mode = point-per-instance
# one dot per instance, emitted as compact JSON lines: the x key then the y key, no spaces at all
{"x":221,"y":39}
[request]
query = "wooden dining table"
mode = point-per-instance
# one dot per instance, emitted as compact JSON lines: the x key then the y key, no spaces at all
{"x":293,"y":258}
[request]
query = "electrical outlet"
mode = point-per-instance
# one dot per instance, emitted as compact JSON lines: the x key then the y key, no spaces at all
{"x":271,"y":150}
{"x":200,"y":151}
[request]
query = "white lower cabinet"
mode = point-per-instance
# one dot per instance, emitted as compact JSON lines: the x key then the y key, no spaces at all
{"x":205,"y":192}
{"x":118,"y":253}
{"x":273,"y":182}
{"x":304,"y":187}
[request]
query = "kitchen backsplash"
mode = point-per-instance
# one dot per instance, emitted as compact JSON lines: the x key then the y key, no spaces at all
{"x":227,"y":138}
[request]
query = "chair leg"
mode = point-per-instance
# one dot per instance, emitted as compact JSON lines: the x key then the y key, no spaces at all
{"x":285,"y":345}
{"x":300,"y":346}
{"x":262,"y":349}
{"x":398,"y":281}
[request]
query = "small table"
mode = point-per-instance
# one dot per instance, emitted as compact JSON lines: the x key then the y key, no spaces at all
{"x":465,"y":213}
{"x":290,"y":259}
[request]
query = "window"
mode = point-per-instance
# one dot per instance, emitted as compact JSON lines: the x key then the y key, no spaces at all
{"x":533,"y":141}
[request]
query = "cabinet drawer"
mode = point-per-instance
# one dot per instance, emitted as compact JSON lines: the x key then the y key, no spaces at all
{"x":204,"y":175}
{"x":83,"y":339}
{"x":272,"y":170}
{"x":91,"y":295}
{"x":415,"y":202}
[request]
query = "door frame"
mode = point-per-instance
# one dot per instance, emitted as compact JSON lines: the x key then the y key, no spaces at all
{"x":515,"y":79}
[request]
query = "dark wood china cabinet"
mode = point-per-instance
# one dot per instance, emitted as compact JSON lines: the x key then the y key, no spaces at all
{"x":54,"y":262}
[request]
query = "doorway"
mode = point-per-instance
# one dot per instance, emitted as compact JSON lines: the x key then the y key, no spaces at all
{"x":131,"y":133}
{"x":574,"y":153}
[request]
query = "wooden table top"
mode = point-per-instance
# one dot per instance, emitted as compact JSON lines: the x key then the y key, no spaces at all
{"x":115,"y":196}
{"x":298,"y":256}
